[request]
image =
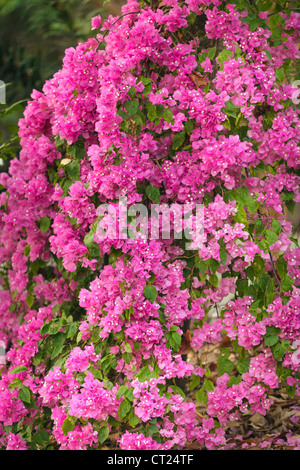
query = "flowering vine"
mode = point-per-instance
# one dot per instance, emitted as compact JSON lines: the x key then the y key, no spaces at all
{"x":187,"y":103}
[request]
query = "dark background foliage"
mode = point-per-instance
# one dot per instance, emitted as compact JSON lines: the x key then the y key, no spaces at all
{"x":34,"y":35}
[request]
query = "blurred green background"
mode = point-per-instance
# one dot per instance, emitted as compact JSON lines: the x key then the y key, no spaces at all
{"x":33,"y":37}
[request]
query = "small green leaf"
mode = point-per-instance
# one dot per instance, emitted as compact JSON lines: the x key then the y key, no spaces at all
{"x":76,"y":150}
{"x":113,"y":421}
{"x":195,"y":380}
{"x":287,"y":284}
{"x":213,"y":279}
{"x":132,"y":107}
{"x":275,"y":20}
{"x":27,"y":250}
{"x":224,"y":56}
{"x":29,"y":300}
{"x":276,"y":226}
{"x":25,"y":395}
{"x":271,"y":237}
{"x":68,"y":425}
{"x":121,"y":390}
{"x":150,"y":293}
{"x":208,"y":386}
{"x":168,"y":116}
{"x":225,"y":366}
{"x":178,"y":140}
{"x":201,"y":396}
{"x":212,"y":52}
{"x":242,"y":365}
{"x":18,"y":369}
{"x":271,"y":340}
{"x":124,"y":409}
{"x":153,"y":194}
{"x":73,"y":169}
{"x":278,"y":351}
{"x":103,"y":434}
{"x":241,"y":216}
{"x":41,"y":438}
{"x":230,"y":108}
{"x":151,"y":111}
{"x":133,"y":419}
{"x":176,"y":338}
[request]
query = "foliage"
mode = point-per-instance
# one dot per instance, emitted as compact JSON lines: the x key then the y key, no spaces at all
{"x":187,"y":103}
{"x":42,"y":32}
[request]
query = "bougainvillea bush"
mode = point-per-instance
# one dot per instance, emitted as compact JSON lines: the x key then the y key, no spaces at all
{"x":190,"y":104}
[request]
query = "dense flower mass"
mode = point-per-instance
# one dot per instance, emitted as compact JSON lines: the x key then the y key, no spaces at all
{"x":185,"y":105}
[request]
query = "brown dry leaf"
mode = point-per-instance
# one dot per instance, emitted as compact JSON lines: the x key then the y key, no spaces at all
{"x":198,"y":79}
{"x":185,"y":343}
{"x":226,"y":342}
{"x":253,"y":448}
{"x":258,"y":421}
{"x":193,"y":446}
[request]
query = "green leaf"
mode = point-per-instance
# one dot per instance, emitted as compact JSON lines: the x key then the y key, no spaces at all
{"x":68,"y":425}
{"x":29,"y":300}
{"x":147,"y":82}
{"x":242,"y":365}
{"x":230,"y":108}
{"x":276,"y":226}
{"x":150,"y":293}
{"x":178,"y":391}
{"x":18,"y":369}
{"x":153,"y":193}
{"x":224,"y":56}
{"x":234,"y":380}
{"x":132,"y":107}
{"x":121,"y":390}
{"x":241,"y":216}
{"x":195,"y":380}
{"x":76,"y":150}
{"x":291,"y":390}
{"x":58,"y":344}
{"x":275,"y":20}
{"x":213,"y":279}
{"x":124,"y":409}
{"x":214,"y":265}
{"x":287,"y":284}
{"x":15,"y":383}
{"x":223,"y":255}
{"x":176,"y":338}
{"x":208,"y":386}
{"x":113,"y":421}
{"x":258,"y":265}
{"x":133,"y":419}
{"x":131,"y":92}
{"x":200,"y":395}
{"x":151,"y":111}
{"x":278,"y":351}
{"x":103,"y":434}
{"x":178,"y":140}
{"x":168,"y":116}
{"x":212,"y":52}
{"x":25,"y":395}
{"x":271,"y":237}
{"x":268,"y":54}
{"x":225,"y":366}
{"x":27,"y":250}
{"x":41,"y":438}
{"x":271,"y":340}
{"x":73,"y":169}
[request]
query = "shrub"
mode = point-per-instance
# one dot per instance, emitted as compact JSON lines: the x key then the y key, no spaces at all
{"x":184,"y":105}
